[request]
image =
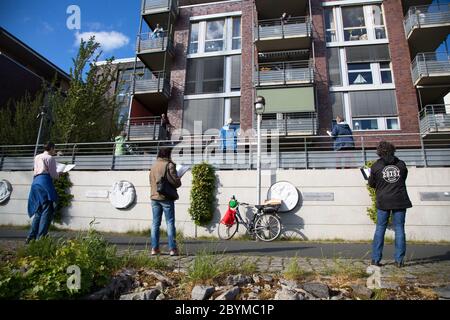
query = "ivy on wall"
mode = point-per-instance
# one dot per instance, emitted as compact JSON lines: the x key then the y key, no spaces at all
{"x":203,"y":193}
{"x":62,"y":186}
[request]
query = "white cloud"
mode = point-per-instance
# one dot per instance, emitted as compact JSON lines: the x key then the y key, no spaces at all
{"x":109,"y":40}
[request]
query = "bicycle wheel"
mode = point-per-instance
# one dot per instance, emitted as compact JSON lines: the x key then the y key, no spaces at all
{"x":226,"y":232}
{"x":268,"y":227}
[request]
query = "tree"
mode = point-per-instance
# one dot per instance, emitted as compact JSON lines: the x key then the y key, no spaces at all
{"x":89,"y":110}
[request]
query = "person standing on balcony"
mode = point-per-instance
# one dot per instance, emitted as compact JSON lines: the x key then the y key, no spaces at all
{"x":43,"y":196}
{"x":343,"y":140}
{"x":120,"y":144}
{"x":165,"y":129}
{"x":157,"y":32}
{"x":164,"y":168}
{"x":388,"y":177}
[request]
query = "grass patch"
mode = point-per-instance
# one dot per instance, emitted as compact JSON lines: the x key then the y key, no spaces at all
{"x":294,"y":272}
{"x":380,"y":294}
{"x":141,"y":259}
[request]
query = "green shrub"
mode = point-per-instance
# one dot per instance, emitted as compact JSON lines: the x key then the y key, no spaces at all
{"x":203,"y":193}
{"x":62,"y":186}
{"x":372,"y":210}
{"x":142,"y":260}
{"x":40,"y":271}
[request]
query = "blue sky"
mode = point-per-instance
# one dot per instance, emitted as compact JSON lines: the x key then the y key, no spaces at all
{"x":41,"y":24}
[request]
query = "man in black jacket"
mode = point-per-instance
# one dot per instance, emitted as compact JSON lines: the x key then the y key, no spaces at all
{"x":388,"y":176}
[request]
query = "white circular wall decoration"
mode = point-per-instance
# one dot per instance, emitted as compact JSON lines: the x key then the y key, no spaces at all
{"x":5,"y":190}
{"x":286,"y":192}
{"x":122,"y":195}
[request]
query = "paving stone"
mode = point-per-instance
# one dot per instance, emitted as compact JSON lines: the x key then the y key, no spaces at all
{"x":318,"y":289}
{"x":443,"y":292}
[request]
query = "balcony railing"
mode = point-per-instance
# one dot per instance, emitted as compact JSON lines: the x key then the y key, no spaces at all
{"x":285,"y":73}
{"x":278,"y":29}
{"x":427,"y":16}
{"x":148,"y":42}
{"x":430,"y":64}
{"x":291,"y":123}
{"x":154,"y":83}
{"x":143,"y":128}
{"x":434,"y":118}
{"x":150,"y":6}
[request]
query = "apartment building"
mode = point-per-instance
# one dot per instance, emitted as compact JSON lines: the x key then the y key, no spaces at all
{"x":383,"y":65}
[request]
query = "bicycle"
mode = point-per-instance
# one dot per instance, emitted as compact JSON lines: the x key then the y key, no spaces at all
{"x":264,"y":225}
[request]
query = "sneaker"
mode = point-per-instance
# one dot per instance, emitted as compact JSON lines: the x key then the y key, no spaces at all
{"x":173,"y":252}
{"x":374,"y":263}
{"x":155,"y":252}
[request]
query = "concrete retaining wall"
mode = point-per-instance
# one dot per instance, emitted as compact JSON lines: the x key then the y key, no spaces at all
{"x":343,"y":218}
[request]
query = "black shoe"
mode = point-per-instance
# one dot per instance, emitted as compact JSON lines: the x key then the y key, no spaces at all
{"x":399,"y":264}
{"x":374,"y":263}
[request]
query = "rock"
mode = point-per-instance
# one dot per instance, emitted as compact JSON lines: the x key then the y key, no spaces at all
{"x":161,"y":296}
{"x":307,"y":295}
{"x":256,"y":289}
{"x":160,"y":277}
{"x":161,"y":286}
{"x":122,"y":282}
{"x":230,"y":294}
{"x":267,"y":278}
{"x":443,"y":292}
{"x":144,"y":295}
{"x":287,"y":294}
{"x":267,"y":287}
{"x":256,"y":278}
{"x":289,"y":284}
{"x":338,"y":297}
{"x":238,"y":280}
{"x":361,"y":291}
{"x":252,"y":296}
{"x":202,"y":292}
{"x":319,"y":290}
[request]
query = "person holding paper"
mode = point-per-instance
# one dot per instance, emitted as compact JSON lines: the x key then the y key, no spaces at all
{"x":164,"y":168}
{"x":43,"y":196}
{"x":343,"y":141}
{"x":388,"y":177}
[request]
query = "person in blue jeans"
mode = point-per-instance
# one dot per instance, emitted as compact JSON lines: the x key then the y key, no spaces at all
{"x":388,"y":177}
{"x":163,"y":167}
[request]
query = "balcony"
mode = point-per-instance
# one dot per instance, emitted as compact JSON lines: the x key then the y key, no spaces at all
{"x":158,"y":11}
{"x":143,"y":128}
{"x":434,"y":118}
{"x":266,"y":8}
{"x":427,"y":26}
{"x":152,"y":48}
{"x":274,"y":34}
{"x":285,"y":73}
{"x":431,"y":68}
{"x":285,"y":124}
{"x":152,"y":89}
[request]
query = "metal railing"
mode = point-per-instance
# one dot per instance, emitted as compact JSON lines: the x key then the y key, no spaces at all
{"x":279,"y":29}
{"x":156,"y":83}
{"x":143,"y":128}
{"x":434,"y":118}
{"x":285,"y":73}
{"x":426,"y":16}
{"x":304,"y":123}
{"x":289,"y":153}
{"x":429,"y":64}
{"x":153,"y":41}
{"x":151,"y":6}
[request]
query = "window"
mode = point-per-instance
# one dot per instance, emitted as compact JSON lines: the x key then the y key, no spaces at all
{"x":236,"y":41}
{"x":334,"y":67}
{"x":385,"y":71}
{"x":359,"y":73}
{"x":235,"y":109}
{"x":236,"y":73}
{"x":378,"y":22}
{"x":365,"y":124}
{"x":330,"y":25}
{"x":214,"y":40}
{"x":215,"y":36}
{"x":205,"y":75}
{"x":379,"y":103}
{"x":210,"y":112}
{"x":354,"y":23}
{"x":193,"y":43}
{"x":392,"y":124}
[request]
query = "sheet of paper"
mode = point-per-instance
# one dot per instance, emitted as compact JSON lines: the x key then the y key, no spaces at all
{"x":365,"y":172}
{"x":181,"y":170}
{"x":63,"y":168}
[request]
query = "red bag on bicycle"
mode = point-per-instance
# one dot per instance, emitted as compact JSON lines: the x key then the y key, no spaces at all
{"x":229,"y":217}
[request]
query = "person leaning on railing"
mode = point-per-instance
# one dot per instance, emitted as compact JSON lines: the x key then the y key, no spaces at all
{"x":43,"y":196}
{"x":388,"y":177}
